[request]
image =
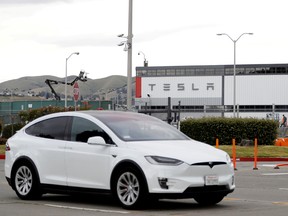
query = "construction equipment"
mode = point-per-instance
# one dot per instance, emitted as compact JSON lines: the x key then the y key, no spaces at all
{"x":82,"y":77}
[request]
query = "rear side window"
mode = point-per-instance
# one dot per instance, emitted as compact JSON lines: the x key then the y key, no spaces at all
{"x":53,"y":128}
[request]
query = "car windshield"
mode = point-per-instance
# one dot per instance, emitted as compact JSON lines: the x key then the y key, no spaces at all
{"x":140,"y":127}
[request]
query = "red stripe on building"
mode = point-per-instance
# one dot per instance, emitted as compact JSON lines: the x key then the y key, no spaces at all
{"x":138,"y":87}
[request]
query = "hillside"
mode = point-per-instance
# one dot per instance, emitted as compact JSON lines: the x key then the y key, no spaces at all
{"x":36,"y":85}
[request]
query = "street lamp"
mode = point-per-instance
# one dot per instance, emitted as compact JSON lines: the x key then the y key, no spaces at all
{"x":128,"y":48}
{"x":234,"y":70}
{"x":77,"y":53}
{"x":145,"y":61}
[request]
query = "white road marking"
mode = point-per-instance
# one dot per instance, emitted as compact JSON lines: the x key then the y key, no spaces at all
{"x":281,"y":203}
{"x":274,"y":174}
{"x":268,"y":165}
{"x":87,"y":209}
{"x":283,"y":189}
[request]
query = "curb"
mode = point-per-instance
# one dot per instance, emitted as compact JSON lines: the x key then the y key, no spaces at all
{"x":261,"y":159}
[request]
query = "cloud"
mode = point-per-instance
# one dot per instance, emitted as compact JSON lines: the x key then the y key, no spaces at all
{"x":80,"y":40}
{"x":155,"y":34}
{"x":13,"y":2}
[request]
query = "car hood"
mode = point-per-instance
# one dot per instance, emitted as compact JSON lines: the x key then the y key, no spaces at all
{"x":188,"y":151}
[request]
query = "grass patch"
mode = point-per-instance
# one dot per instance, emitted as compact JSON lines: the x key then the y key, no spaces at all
{"x":2,"y":149}
{"x":241,"y":151}
{"x":263,"y":151}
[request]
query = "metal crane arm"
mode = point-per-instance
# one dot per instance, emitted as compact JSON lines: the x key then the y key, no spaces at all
{"x":82,"y":77}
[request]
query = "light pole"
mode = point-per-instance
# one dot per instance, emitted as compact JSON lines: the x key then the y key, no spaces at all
{"x":234,"y":69}
{"x":145,"y":61}
{"x":77,"y":53}
{"x":128,"y":48}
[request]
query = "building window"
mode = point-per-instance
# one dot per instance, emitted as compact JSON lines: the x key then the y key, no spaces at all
{"x":180,"y":72}
{"x":190,"y":72}
{"x":210,"y":71}
{"x":250,"y":70}
{"x":161,"y":72}
{"x":280,"y":70}
{"x":229,"y":71}
{"x":219,"y":71}
{"x":200,"y":71}
{"x":239,"y":70}
{"x":151,"y":73}
{"x":170,"y":72}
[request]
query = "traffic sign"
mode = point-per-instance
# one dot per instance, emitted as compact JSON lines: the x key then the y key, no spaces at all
{"x":76,"y":91}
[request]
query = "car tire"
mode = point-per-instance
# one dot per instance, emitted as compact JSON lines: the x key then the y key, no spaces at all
{"x":209,"y":199}
{"x":26,"y":182}
{"x":129,"y":188}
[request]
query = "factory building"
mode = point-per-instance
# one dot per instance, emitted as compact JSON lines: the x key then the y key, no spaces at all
{"x":260,"y":90}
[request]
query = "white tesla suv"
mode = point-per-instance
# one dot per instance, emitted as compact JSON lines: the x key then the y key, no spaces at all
{"x":132,"y":156}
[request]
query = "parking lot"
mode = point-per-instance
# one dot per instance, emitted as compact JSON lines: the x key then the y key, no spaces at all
{"x":259,"y":192}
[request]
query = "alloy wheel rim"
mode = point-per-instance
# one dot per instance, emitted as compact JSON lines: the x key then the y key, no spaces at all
{"x":23,"y":180}
{"x":128,"y":188}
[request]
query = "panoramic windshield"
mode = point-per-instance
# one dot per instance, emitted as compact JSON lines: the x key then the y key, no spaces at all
{"x":141,"y":128}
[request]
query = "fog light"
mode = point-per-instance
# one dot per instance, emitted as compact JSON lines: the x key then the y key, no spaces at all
{"x":163,"y":183}
{"x":233,"y":180}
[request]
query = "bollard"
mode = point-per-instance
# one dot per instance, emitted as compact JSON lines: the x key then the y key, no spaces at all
{"x":217,"y":143}
{"x":255,"y":154}
{"x":234,"y":153}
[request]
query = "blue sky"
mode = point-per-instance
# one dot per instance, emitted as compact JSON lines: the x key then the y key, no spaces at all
{"x":36,"y":36}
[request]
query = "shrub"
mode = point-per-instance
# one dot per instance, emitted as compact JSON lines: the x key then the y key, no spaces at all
{"x":11,"y":129}
{"x":2,"y":141}
{"x":225,"y":129}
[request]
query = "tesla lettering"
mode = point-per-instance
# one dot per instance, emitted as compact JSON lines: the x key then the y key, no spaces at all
{"x":166,"y":87}
{"x":152,"y":85}
{"x":181,"y":87}
{"x":210,"y":86}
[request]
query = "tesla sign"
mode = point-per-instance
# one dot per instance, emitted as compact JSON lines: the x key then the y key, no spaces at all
{"x":204,"y":86}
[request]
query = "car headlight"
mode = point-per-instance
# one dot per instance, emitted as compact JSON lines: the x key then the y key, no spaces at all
{"x":157,"y":160}
{"x":228,"y":159}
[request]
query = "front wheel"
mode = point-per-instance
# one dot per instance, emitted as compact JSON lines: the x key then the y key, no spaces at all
{"x":208,"y":200}
{"x":129,"y":188}
{"x":26,"y":183}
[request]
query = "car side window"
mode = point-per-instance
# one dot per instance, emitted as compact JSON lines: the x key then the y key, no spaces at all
{"x":53,"y":128}
{"x":82,"y":129}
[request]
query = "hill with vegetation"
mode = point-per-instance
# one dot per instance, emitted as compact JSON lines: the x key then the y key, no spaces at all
{"x":35,"y":85}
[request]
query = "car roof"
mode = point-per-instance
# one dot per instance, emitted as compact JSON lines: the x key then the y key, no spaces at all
{"x":111,"y":114}
{"x":99,"y":114}
{"x":102,"y":115}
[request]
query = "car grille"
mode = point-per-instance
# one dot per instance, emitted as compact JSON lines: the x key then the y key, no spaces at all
{"x":210,"y":163}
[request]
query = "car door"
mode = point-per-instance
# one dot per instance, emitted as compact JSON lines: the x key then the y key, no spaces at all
{"x":48,"y":146}
{"x":87,"y":165}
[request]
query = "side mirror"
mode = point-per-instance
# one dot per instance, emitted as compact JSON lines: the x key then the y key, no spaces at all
{"x":96,"y":140}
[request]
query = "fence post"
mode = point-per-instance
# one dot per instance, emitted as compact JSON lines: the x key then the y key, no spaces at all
{"x":255,"y":154}
{"x":217,"y":143}
{"x":234,"y":153}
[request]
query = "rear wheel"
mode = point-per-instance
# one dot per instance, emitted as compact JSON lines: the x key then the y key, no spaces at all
{"x":209,"y":199}
{"x":129,"y":188}
{"x":26,"y":182}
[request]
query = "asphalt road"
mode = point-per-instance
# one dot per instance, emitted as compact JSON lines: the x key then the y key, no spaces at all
{"x":259,"y":192}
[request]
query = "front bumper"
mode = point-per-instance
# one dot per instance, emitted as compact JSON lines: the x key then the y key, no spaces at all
{"x":187,"y":181}
{"x":192,"y":192}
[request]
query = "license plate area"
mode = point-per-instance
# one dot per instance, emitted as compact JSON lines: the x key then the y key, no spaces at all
{"x":211,"y":180}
